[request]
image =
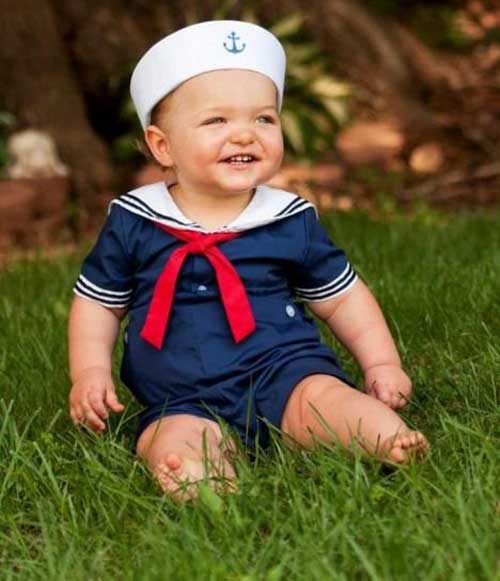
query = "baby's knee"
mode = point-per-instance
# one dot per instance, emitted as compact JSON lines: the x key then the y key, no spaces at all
{"x":307,"y":401}
{"x":185,"y":436}
{"x":202,"y":434}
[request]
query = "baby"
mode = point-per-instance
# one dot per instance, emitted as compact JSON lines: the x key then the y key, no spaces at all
{"x":214,"y":272}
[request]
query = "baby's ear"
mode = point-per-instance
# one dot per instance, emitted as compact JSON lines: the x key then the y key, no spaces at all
{"x":159,"y":145}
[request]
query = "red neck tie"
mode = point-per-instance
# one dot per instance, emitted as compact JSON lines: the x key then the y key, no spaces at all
{"x":232,"y":291}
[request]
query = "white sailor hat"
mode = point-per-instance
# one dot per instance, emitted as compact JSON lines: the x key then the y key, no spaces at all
{"x":200,"y":48}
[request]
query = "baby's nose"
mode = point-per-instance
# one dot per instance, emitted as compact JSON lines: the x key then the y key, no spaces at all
{"x":242,"y":135}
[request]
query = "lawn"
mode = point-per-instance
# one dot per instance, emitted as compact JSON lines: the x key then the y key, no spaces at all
{"x":75,"y":506}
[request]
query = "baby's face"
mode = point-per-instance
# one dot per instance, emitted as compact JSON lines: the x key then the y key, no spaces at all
{"x":222,"y":132}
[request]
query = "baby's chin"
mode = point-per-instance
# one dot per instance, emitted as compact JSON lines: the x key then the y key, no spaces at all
{"x":242,"y":185}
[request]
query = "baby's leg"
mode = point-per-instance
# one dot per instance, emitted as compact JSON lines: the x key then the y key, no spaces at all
{"x":322,"y":407}
{"x":182,"y":450}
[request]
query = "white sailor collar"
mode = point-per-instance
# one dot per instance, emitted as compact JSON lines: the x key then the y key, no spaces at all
{"x":268,"y":205}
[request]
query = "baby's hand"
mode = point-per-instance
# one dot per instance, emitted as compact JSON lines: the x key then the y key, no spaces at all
{"x":389,"y":384}
{"x":89,"y":396}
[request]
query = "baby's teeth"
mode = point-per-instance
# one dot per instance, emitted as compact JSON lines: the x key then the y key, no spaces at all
{"x":241,"y":158}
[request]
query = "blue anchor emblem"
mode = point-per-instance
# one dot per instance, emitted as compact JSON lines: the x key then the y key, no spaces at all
{"x":234,"y":49}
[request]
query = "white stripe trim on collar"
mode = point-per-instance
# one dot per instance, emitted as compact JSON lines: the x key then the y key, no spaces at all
{"x":154,"y":202}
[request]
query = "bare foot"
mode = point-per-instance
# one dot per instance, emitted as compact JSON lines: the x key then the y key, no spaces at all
{"x":404,"y":446}
{"x":180,"y":477}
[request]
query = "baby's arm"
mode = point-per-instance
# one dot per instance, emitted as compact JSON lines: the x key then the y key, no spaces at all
{"x":357,"y":321}
{"x":92,"y":334}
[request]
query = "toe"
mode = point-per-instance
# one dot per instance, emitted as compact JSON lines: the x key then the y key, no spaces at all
{"x":422,"y":446}
{"x":396,"y":448}
{"x":162,"y":471}
{"x":421,"y":440}
{"x":166,"y":483}
{"x":173,"y":462}
{"x":418,"y":438}
{"x":411,"y":439}
{"x":401,"y":447}
{"x":168,"y":474}
{"x":397,"y":454}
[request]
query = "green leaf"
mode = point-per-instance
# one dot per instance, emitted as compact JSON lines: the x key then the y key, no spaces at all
{"x":288,"y":25}
{"x":300,"y":53}
{"x":319,"y":119}
{"x":127,"y":111}
{"x":329,"y":87}
{"x":125,"y":147}
{"x":210,"y":499}
{"x":276,"y":573}
{"x":302,"y":73}
{"x":292,"y":130}
{"x":4,"y":156}
{"x":337,"y":109}
{"x":6,"y":119}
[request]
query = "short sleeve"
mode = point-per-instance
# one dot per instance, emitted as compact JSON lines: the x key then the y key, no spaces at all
{"x":324,"y":272}
{"x":106,"y":275}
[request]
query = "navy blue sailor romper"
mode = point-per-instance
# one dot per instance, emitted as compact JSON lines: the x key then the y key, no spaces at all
{"x":282,"y":254}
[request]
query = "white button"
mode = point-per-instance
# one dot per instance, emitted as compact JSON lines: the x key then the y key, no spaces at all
{"x":290,"y":311}
{"x":202,"y":288}
{"x":125,"y":337}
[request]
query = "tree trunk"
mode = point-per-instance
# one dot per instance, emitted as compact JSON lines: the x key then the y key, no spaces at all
{"x":40,"y":88}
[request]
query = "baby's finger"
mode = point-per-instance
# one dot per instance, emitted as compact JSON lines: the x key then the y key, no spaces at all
{"x":98,"y":406}
{"x":370,"y":388}
{"x":384,"y":396}
{"x":112,"y":401}
{"x":400,"y":402}
{"x":395,"y":403}
{"x":74,"y":417}
{"x":401,"y":399}
{"x":78,"y":414}
{"x":92,"y":419}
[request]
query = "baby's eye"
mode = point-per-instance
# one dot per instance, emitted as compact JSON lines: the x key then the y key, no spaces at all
{"x":214,"y":120}
{"x":265,"y":119}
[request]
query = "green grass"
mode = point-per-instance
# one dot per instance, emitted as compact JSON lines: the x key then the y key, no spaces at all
{"x":74,"y":506}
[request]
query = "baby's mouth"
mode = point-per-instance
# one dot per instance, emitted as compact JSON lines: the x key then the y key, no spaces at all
{"x":240,"y":159}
